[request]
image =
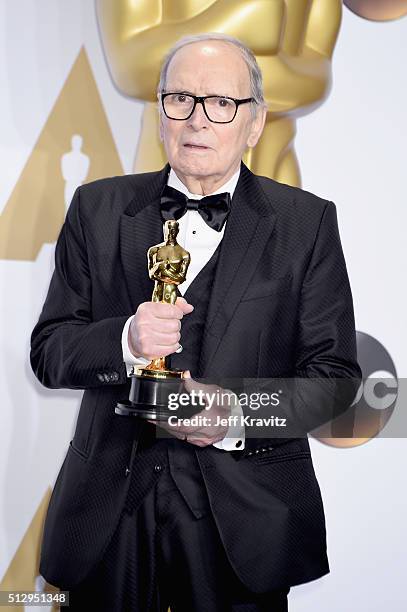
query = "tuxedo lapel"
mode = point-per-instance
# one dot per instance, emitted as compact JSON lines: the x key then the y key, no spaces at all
{"x":249,"y":226}
{"x":140,"y":228}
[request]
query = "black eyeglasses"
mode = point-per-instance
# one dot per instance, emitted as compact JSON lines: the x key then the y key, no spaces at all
{"x":218,"y":109}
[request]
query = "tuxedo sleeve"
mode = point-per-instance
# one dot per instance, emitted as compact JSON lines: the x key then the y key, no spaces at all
{"x":68,"y":348}
{"x":326,"y":375}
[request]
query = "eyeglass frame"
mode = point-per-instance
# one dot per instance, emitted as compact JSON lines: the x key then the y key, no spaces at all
{"x":201,"y":100}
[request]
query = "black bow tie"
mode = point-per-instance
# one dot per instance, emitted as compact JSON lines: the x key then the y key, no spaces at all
{"x":213,"y":209}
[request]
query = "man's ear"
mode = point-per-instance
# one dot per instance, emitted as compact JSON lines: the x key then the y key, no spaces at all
{"x":257,"y":127}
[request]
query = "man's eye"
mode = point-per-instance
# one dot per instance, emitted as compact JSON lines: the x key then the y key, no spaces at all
{"x":223,"y":102}
{"x":181,"y":98}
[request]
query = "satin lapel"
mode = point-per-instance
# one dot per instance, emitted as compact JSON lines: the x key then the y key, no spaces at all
{"x":249,"y":226}
{"x":141,"y":227}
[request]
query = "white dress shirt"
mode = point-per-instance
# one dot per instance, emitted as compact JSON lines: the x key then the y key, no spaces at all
{"x":200,"y":241}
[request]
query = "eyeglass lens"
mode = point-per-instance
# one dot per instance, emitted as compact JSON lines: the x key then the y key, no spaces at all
{"x":179,"y":106}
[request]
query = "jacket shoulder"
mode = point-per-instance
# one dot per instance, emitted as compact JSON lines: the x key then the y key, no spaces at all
{"x":111,"y":195}
{"x":124,"y":185}
{"x":286,"y":197}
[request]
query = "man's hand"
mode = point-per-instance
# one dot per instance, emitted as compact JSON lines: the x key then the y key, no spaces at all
{"x":219,"y":403}
{"x":155,"y":329}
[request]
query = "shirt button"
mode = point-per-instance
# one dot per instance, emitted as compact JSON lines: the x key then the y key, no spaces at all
{"x":158,"y":467}
{"x":238,"y":443}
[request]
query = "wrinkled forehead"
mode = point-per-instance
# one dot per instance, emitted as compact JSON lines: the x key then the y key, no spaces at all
{"x":209,"y":67}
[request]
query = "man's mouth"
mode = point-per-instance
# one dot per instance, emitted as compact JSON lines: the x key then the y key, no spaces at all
{"x":195,"y":146}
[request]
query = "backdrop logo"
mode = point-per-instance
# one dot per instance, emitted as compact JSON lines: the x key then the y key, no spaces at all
{"x":22,"y":572}
{"x":374,"y":402}
{"x":75,"y":144}
{"x":378,"y":10}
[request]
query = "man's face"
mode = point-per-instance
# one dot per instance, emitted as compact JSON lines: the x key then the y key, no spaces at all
{"x":197,"y":147}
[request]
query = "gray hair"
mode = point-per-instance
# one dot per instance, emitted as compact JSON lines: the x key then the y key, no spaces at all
{"x":256,"y":79}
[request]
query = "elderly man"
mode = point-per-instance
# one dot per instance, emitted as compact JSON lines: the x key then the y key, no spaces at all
{"x":204,"y":518}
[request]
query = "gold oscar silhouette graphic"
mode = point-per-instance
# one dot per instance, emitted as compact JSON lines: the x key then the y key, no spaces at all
{"x":293,"y":41}
{"x":22,"y":573}
{"x":35,"y":211}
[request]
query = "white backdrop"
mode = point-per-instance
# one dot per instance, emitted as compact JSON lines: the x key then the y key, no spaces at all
{"x":352,"y":151}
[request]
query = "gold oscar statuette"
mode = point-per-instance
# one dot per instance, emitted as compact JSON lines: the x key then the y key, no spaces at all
{"x":151,"y":385}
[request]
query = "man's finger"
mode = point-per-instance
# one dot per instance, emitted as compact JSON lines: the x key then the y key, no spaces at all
{"x":191,"y":384}
{"x":159,"y":338}
{"x":182,"y":303}
{"x":161,"y":310}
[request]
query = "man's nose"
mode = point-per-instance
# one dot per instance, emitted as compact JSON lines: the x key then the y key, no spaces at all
{"x":198,"y":119}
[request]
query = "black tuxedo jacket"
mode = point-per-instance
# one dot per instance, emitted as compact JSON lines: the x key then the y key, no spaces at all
{"x":281,"y":306}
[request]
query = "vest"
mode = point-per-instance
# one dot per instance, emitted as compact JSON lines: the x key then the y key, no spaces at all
{"x":155,"y":453}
